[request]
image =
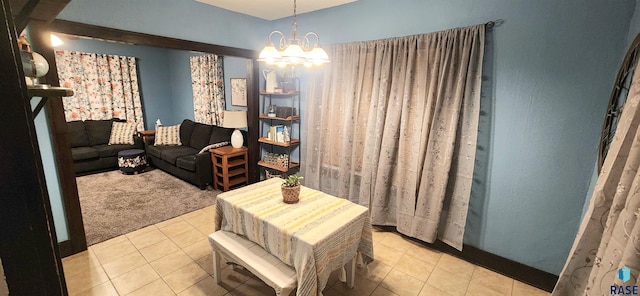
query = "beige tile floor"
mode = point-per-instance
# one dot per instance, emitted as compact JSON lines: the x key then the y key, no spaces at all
{"x":174,"y":258}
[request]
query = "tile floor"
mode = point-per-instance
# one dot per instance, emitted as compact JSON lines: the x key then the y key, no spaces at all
{"x":174,"y":258}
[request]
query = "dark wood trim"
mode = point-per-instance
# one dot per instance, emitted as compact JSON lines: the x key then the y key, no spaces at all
{"x":40,"y":41}
{"x":30,"y":257}
{"x":66,"y":248}
{"x":25,"y":11}
{"x":80,"y":29}
{"x":22,"y":18}
{"x":524,"y":273}
{"x":253,"y":114}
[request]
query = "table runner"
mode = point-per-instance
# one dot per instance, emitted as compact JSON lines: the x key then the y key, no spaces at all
{"x":315,"y":236}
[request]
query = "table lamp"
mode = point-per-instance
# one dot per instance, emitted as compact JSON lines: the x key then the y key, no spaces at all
{"x":235,"y":119}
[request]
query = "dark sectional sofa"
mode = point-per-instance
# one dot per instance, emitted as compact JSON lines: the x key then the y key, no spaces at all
{"x":90,"y":147}
{"x":185,"y":161}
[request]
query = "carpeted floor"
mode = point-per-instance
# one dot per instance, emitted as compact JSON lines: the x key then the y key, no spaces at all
{"x":114,"y":203}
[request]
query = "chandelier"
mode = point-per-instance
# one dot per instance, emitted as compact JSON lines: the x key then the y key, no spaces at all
{"x":294,"y":51}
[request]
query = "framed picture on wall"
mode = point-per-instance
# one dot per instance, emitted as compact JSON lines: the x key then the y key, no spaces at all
{"x":239,"y":92}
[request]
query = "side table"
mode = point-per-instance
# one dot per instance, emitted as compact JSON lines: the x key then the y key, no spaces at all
{"x":230,"y":167}
{"x":146,"y":134}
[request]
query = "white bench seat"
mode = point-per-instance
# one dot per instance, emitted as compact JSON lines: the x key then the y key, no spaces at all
{"x":281,"y":277}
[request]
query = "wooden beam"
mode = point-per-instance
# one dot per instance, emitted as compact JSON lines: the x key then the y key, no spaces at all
{"x":29,"y":255}
{"x":60,"y":142}
{"x":80,"y":29}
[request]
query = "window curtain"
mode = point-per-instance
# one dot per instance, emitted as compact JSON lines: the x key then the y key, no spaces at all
{"x":207,"y":80}
{"x":105,"y":86}
{"x":609,"y":236}
{"x":394,"y":126}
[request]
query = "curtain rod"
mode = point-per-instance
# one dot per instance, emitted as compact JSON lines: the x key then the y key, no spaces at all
{"x":496,"y":23}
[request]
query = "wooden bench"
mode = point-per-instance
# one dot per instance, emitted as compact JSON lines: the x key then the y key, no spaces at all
{"x":280,"y":276}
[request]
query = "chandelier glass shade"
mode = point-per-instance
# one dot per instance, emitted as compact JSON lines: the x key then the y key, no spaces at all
{"x":293,"y":51}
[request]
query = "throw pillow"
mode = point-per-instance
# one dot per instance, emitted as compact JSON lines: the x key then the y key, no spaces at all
{"x":122,"y":133}
{"x":168,"y":135}
{"x":213,"y":146}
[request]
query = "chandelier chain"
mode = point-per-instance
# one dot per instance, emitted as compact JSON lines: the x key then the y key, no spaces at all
{"x":294,"y":31}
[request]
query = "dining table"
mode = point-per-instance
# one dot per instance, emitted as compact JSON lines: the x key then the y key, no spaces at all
{"x":317,"y":235}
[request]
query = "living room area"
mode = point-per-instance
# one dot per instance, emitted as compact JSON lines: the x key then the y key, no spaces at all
{"x":523,"y":169}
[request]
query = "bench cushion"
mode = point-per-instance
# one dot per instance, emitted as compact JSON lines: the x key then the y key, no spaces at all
{"x":254,"y":258}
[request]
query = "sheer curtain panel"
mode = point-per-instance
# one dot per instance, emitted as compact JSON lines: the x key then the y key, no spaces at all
{"x":609,"y":236}
{"x":393,"y":126}
{"x":207,"y":80}
{"x":105,"y":86}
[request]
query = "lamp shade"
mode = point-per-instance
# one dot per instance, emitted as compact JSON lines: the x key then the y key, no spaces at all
{"x":235,"y":119}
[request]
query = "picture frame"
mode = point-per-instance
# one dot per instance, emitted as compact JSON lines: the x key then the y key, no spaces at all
{"x":239,"y":92}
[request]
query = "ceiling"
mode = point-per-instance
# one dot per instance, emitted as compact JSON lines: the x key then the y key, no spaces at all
{"x":273,"y":9}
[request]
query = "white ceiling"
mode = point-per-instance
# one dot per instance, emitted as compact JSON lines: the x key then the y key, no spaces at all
{"x":273,"y":9}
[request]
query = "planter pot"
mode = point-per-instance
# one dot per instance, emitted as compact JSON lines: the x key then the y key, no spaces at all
{"x":290,"y":195}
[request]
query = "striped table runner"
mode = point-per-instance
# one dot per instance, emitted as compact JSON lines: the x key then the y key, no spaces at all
{"x":315,"y":236}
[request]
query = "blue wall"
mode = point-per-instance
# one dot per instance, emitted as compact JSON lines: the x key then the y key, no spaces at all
{"x":548,"y":73}
{"x":50,"y":173}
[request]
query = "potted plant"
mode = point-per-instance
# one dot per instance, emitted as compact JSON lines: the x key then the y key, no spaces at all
{"x":291,"y":189}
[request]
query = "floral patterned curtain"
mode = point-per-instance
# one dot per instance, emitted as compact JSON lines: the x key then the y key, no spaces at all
{"x":394,"y":128}
{"x":609,"y":236}
{"x":207,"y":80}
{"x":105,"y":86}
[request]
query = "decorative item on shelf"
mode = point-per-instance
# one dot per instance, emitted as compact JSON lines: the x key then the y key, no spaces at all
{"x":293,"y":51}
{"x":285,"y":135}
{"x":235,"y":119}
{"x":272,"y":111}
{"x":278,"y":90}
{"x":291,"y":189}
{"x":271,"y":80}
{"x":273,"y":174}
{"x":33,"y":64}
{"x":284,"y":112}
{"x":280,"y":160}
{"x":288,"y":83}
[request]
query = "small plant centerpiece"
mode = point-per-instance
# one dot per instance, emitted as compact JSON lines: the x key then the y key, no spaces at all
{"x":291,"y":189}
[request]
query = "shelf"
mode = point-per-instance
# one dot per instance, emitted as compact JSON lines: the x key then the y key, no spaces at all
{"x":234,"y":181}
{"x":48,"y":91}
{"x":232,"y":163}
{"x":281,"y":144}
{"x":278,"y":168}
{"x":290,"y":118}
{"x":263,"y":92}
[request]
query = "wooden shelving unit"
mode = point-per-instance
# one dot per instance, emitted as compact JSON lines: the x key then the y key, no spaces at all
{"x":292,"y":122}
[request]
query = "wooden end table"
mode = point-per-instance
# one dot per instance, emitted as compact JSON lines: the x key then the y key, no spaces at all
{"x":230,"y":167}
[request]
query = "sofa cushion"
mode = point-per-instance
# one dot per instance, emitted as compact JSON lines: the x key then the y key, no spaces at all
{"x":220,"y":134}
{"x":84,"y":153}
{"x":157,"y":150}
{"x":186,"y":129}
{"x":170,"y":155}
{"x":106,"y":150}
{"x":98,"y":131}
{"x":122,"y":133}
{"x":77,"y":134}
{"x":168,"y":135}
{"x":200,"y":136}
{"x":187,"y":163}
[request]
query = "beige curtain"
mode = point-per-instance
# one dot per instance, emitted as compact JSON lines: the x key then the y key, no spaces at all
{"x":609,"y":236}
{"x":104,"y":86}
{"x":392,"y":124}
